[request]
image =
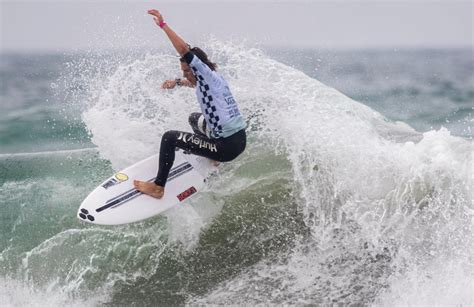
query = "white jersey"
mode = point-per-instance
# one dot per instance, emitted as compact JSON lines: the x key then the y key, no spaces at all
{"x":215,"y":99}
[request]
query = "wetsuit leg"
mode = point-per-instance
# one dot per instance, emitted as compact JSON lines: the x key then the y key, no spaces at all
{"x":223,"y":149}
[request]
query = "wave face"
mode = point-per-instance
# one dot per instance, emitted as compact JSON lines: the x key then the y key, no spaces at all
{"x":330,"y":203}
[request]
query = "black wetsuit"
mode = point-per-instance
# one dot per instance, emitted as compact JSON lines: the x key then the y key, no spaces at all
{"x":219,"y":131}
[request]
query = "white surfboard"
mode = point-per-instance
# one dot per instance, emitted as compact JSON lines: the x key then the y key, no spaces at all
{"x":116,"y":201}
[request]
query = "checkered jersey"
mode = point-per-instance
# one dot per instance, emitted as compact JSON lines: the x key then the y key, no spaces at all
{"x":215,"y":99}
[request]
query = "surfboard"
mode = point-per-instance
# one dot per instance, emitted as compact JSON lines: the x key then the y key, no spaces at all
{"x":115,"y":201}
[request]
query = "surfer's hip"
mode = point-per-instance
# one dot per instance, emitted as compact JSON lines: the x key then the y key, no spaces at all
{"x":232,"y":146}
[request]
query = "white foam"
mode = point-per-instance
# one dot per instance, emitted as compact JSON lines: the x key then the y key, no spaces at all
{"x":350,"y":167}
{"x":442,"y":283}
{"x":18,"y":294}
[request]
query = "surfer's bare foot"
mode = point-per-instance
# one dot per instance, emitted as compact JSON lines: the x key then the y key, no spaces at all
{"x":149,"y":188}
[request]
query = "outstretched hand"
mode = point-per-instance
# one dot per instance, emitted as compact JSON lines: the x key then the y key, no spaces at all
{"x":178,"y":43}
{"x":157,"y":16}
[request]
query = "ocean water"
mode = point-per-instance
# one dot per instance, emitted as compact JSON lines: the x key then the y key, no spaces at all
{"x":355,"y":188}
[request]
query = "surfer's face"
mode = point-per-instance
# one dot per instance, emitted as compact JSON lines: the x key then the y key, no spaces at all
{"x":188,"y":73}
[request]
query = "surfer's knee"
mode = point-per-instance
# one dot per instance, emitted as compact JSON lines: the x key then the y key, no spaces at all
{"x":169,"y":137}
{"x":193,"y":119}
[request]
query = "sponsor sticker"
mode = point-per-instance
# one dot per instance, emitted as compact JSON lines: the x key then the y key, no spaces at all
{"x":121,"y":177}
{"x":118,"y":178}
{"x":183,"y":195}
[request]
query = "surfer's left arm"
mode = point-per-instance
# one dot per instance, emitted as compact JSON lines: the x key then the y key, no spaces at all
{"x":178,"y":43}
{"x":170,"y":84}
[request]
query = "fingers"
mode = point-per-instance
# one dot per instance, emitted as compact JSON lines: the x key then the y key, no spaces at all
{"x":157,"y":16}
{"x":168,"y":84}
{"x":154,"y":13}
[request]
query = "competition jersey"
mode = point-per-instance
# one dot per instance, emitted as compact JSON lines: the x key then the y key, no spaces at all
{"x":215,"y":99}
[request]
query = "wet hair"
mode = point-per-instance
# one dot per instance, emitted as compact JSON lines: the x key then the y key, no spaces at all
{"x":202,"y":56}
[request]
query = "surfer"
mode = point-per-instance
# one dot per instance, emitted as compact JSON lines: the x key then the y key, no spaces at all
{"x":219,"y":131}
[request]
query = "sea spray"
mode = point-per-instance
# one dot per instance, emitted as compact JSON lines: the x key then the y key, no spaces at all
{"x":331,"y":202}
{"x":364,"y":185}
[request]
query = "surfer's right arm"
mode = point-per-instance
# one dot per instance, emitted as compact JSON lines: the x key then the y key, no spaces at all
{"x":178,"y":43}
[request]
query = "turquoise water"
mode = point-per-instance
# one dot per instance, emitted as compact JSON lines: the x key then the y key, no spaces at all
{"x":356,"y":186}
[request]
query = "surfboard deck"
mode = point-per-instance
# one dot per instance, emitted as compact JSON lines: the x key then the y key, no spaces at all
{"x":115,"y":201}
